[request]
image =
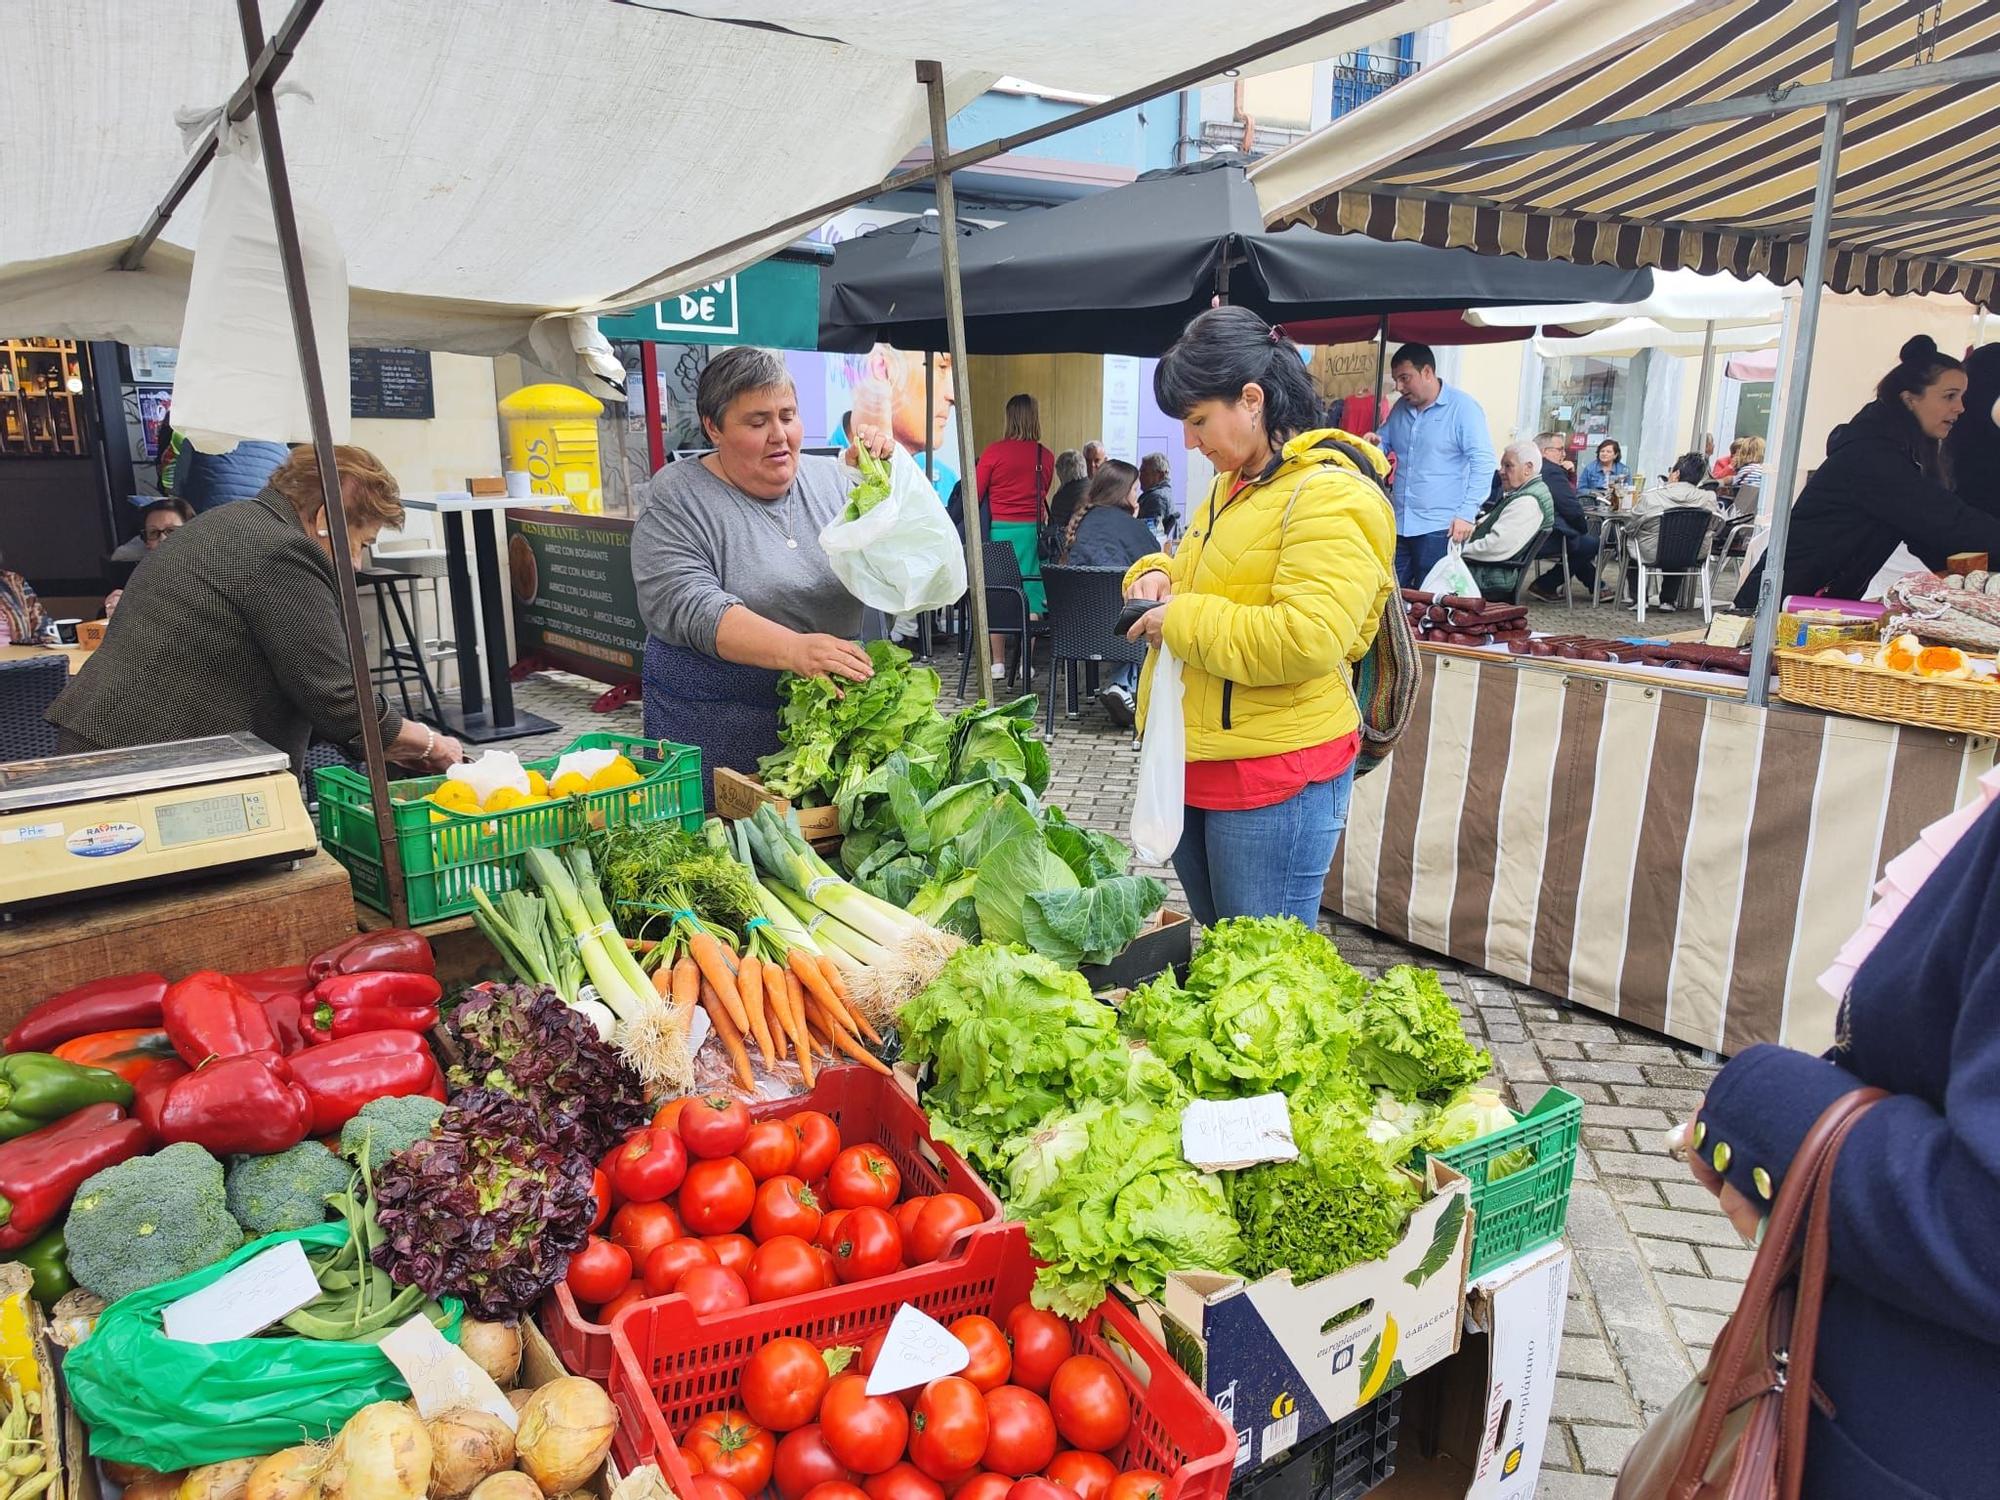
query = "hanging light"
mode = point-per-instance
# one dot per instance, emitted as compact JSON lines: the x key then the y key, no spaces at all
{"x":74,"y":385}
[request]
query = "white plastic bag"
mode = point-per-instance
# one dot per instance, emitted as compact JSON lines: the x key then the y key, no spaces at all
{"x":238,"y":374}
{"x":904,"y":556}
{"x":1160,"y":808}
{"x":1450,"y":575}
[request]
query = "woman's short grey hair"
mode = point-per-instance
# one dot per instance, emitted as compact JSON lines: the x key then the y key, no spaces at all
{"x":1523,"y":452}
{"x":1070,"y":466}
{"x":735,"y":372}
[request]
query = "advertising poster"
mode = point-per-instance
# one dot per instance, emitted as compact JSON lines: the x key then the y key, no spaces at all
{"x":885,"y":388}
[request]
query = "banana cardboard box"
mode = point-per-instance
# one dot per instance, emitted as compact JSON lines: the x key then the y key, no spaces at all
{"x":1283,"y":1361}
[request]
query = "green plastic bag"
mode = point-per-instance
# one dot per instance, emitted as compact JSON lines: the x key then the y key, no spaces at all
{"x":166,"y":1405}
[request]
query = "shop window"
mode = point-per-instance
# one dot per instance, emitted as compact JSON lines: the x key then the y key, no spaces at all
{"x":1588,"y":400}
{"x":42,"y":403}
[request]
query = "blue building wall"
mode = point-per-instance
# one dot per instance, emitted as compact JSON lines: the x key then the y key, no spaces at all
{"x":1141,"y":138}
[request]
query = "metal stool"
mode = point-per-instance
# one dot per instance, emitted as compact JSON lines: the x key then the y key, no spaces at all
{"x":402,"y":660}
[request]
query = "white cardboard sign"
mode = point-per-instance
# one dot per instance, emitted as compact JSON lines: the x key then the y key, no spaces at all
{"x":1227,"y":1134}
{"x":246,"y":1300}
{"x":441,"y":1375}
{"x":918,"y":1350}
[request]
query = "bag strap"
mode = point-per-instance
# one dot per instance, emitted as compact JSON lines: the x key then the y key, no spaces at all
{"x":1795,"y":1218}
{"x":1041,"y":495}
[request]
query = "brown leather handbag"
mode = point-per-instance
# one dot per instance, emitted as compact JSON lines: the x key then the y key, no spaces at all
{"x":1738,"y":1431}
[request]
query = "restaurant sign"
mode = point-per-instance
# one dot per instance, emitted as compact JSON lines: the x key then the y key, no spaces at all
{"x":574,"y":600}
{"x":774,"y":303}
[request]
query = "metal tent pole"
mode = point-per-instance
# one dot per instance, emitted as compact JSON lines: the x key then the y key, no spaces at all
{"x":1800,"y":374}
{"x":1381,"y":368}
{"x":286,"y":223}
{"x":1707,"y":380}
{"x":931,"y":75}
{"x":656,"y":440}
{"x":930,"y":405}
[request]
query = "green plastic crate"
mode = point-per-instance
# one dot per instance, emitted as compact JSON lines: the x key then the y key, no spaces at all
{"x":445,"y":861}
{"x":1526,"y":1209}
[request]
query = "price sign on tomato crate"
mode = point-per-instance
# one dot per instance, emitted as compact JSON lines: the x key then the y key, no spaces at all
{"x":918,"y":1350}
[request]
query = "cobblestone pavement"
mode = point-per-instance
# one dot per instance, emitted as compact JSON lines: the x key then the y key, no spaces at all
{"x":1657,"y":1267}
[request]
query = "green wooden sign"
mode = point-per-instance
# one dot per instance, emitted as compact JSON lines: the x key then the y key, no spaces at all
{"x":774,"y":303}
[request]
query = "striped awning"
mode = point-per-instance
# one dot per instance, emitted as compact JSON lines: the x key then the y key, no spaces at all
{"x":1439,"y":158}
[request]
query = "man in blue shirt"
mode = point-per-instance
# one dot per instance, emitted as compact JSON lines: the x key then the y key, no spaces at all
{"x":1444,"y":462}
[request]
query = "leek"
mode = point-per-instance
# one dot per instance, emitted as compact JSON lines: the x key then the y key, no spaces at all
{"x":790,"y":861}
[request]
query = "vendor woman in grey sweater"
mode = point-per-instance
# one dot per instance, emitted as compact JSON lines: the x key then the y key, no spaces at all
{"x":732,"y":582}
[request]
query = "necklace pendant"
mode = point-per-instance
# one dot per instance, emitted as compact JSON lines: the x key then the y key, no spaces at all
{"x":792,"y":542}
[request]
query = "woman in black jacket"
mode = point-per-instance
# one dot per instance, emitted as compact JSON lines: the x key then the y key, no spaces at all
{"x":1106,"y":532}
{"x":1881,"y":485}
{"x":1972,"y":452}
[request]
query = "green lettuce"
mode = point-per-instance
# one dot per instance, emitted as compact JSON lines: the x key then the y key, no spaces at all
{"x":1409,"y":1040}
{"x":832,"y":730}
{"x":999,"y":742}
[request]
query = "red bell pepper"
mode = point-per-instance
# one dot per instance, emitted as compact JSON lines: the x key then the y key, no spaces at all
{"x":128,"y":1053}
{"x":40,"y":1172}
{"x":287,"y":1015}
{"x":102,"y":1005}
{"x":393,"y":948}
{"x":149,"y":1089}
{"x":345,"y":1005}
{"x":263,"y":984}
{"x":209,"y":1015}
{"x":339,"y":1077}
{"x":234,"y":1105}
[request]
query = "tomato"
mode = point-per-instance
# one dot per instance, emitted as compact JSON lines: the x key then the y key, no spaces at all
{"x":733,"y":1449}
{"x":948,"y":1430}
{"x":992,"y":1360}
{"x":819,"y":1143}
{"x":829,"y":1274}
{"x":711,"y":1290}
{"x":609,"y":1159}
{"x":733,"y":1251}
{"x":984,"y":1486}
{"x":650,"y":1165}
{"x":835,"y":1489}
{"x":1089,"y":1474}
{"x":939,"y":1224}
{"x":668,"y":1115}
{"x":904,"y":1482}
{"x":869,"y":1246}
{"x":1039,"y":1488}
{"x":1041,"y":1342}
{"x":829,"y":1227}
{"x":636,"y":1292}
{"x":600,"y":1198}
{"x":714,"y":1125}
{"x":804,"y":1460}
{"x":1022,"y":1438}
{"x":598,"y":1272}
{"x":1091,"y":1408}
{"x":782,"y":1384}
{"x":670,"y":1262}
{"x":785,"y":1205}
{"x":867,"y":1433}
{"x":717,"y":1196}
{"x":1137,"y":1484}
{"x":769,"y":1149}
{"x":643,"y":1227}
{"x":708,"y":1487}
{"x":864,"y":1177}
{"x":906,"y":1214}
{"x":784,"y":1266}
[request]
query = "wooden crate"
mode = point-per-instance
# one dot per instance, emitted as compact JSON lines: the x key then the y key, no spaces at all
{"x":737,"y":796}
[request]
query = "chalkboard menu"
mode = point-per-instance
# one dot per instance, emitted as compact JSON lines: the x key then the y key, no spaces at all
{"x":391,"y":383}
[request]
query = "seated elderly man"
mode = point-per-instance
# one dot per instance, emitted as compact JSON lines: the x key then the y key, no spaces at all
{"x":1508,"y":530}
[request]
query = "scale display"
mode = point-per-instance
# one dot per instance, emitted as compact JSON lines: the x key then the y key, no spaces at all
{"x":199,"y":821}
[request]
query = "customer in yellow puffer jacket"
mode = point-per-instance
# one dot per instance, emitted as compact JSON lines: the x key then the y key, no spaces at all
{"x":1274,"y":594}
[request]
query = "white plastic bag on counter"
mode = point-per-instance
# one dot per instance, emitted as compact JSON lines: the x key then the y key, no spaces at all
{"x":904,"y":556}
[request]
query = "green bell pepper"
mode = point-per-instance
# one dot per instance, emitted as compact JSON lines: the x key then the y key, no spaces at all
{"x":48,"y":1259}
{"x":37,"y":1089}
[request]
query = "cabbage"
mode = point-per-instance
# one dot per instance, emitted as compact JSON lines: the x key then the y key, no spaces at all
{"x":1474,"y":1113}
{"x":1399,"y":1127}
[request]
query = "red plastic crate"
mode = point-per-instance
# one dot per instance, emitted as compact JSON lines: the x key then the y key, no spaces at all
{"x":671,"y":1368}
{"x":868,"y":1107}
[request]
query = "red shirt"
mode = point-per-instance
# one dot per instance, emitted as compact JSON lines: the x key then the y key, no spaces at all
{"x":1267,"y":780}
{"x":1006,"y":478}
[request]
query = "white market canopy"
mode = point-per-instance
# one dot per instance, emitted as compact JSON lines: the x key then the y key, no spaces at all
{"x":489,"y":164}
{"x":1682,"y":301}
{"x":1623,"y":339}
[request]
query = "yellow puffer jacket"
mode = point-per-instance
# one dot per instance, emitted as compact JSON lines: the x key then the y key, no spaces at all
{"x":1276,"y":593}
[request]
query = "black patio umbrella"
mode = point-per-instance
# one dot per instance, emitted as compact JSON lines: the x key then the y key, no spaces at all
{"x":1122,"y":272}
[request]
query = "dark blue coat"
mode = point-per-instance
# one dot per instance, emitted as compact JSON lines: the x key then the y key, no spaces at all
{"x":1909,"y":1352}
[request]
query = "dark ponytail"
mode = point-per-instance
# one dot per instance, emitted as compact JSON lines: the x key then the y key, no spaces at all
{"x":1227,"y":348}
{"x":1108,"y":486}
{"x":1918,"y":366}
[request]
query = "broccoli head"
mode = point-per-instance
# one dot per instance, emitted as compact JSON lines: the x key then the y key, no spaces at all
{"x":285,"y":1191}
{"x":388,"y":1126}
{"x":149,"y":1220}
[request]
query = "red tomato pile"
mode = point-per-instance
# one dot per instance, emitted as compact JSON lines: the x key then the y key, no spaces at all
{"x":1029,"y":1419}
{"x":728,"y":1211}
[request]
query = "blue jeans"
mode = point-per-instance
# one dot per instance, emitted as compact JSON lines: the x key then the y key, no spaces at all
{"x":1417,"y":555}
{"x":1263,"y":861}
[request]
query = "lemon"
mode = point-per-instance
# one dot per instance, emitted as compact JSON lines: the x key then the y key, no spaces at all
{"x":538,"y":785}
{"x":456,"y":796}
{"x":620,"y":772}
{"x":503,"y":799}
{"x":569,"y":784}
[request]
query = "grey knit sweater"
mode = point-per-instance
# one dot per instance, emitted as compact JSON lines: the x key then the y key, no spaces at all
{"x":232,"y":624}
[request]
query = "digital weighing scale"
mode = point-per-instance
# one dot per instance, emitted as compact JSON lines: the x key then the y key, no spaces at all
{"x":72,"y":824}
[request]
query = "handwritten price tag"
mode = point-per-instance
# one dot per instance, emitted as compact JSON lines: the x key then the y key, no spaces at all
{"x":250,"y":1298}
{"x":918,"y":1350}
{"x":1224,"y":1134}
{"x":441,"y":1376}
